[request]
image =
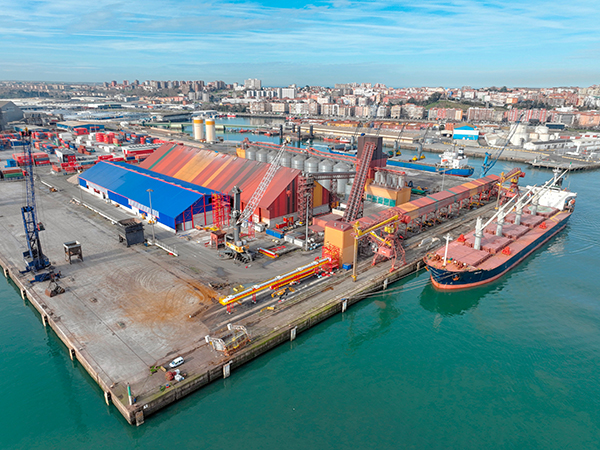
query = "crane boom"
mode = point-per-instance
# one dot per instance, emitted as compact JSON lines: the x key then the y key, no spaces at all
{"x":262,"y":187}
{"x":491,"y":158}
{"x":35,"y":259}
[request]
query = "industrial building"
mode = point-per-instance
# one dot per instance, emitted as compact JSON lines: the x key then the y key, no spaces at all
{"x":465,"y":132}
{"x":175,"y":204}
{"x":9,"y":112}
{"x":221,"y":172}
{"x":70,"y":125}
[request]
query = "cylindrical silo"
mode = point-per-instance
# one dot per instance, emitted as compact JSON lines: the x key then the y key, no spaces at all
{"x":211,"y":131}
{"x":311,"y":165}
{"x":261,"y":155}
{"x":348,"y":189}
{"x":401,"y":180}
{"x":341,"y":183}
{"x":326,"y":166}
{"x":286,"y":159}
{"x":198,"y":129}
{"x":251,"y":153}
{"x":271,"y":156}
{"x":298,"y":162}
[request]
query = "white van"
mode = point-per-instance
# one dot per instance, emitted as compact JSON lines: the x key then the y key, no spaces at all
{"x":176,"y":362}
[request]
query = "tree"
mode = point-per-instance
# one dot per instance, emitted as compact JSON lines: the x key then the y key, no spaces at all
{"x":434,"y":97}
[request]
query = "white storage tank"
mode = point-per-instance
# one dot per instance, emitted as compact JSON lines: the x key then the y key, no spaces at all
{"x":271,"y":155}
{"x":326,"y":166}
{"x":341,"y":184}
{"x":348,"y":189}
{"x":211,"y":131}
{"x":261,"y":155}
{"x":311,"y":165}
{"x":251,"y":153}
{"x":198,"y":125}
{"x":286,"y":159}
{"x":298,"y":162}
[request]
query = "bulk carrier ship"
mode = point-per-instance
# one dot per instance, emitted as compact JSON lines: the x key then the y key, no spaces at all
{"x":518,"y":228}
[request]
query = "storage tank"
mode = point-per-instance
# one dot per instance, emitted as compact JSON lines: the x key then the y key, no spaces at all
{"x":543,"y":132}
{"x":341,"y":184}
{"x":211,"y":131}
{"x":271,"y":156}
{"x":251,"y":153}
{"x":348,"y":189}
{"x":286,"y":159}
{"x":198,"y":129}
{"x":326,"y":166}
{"x":311,"y":165}
{"x":520,"y":136}
{"x":261,"y":155}
{"x":298,"y":162}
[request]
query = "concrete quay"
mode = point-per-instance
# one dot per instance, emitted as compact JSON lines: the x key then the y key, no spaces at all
{"x":128,"y":309}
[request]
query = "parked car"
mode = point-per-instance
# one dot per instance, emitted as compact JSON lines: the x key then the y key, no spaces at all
{"x":176,"y":362}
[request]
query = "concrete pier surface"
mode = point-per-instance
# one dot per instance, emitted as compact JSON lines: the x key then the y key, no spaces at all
{"x":126,"y":310}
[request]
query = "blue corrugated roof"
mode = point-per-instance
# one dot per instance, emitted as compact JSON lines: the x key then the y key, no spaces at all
{"x":170,"y":195}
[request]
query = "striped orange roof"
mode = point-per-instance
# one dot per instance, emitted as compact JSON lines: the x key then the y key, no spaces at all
{"x":218,"y":171}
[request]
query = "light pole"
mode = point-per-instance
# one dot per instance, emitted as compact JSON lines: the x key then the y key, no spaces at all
{"x":443,"y":176}
{"x":150,"y":191}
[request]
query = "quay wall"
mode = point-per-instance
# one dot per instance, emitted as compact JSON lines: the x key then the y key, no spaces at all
{"x":135,"y":414}
{"x":355,"y":293}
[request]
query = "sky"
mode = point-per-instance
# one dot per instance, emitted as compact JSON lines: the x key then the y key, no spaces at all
{"x":533,"y":43}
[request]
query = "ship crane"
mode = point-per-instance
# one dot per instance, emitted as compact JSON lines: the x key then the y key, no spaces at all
{"x":520,"y":203}
{"x":492,"y":158}
{"x":35,"y":260}
{"x":396,"y":150}
{"x":420,"y":143}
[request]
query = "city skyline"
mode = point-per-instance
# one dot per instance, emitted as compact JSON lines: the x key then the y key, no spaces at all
{"x":538,"y":44}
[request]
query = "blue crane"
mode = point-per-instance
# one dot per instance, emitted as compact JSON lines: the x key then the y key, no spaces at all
{"x":491,"y":158}
{"x":35,"y":260}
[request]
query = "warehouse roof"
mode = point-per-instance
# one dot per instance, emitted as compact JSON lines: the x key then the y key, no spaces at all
{"x":170,"y":196}
{"x":218,"y":171}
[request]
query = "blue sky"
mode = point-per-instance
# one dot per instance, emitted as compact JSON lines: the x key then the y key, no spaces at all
{"x":408,"y":43}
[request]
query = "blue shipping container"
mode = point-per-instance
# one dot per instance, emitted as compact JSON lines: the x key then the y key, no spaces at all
{"x":274,"y":233}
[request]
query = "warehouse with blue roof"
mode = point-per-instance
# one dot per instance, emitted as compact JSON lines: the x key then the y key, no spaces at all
{"x":176,"y":204}
{"x":465,"y":132}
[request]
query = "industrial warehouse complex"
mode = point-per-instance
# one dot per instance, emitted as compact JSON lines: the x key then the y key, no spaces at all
{"x":251,"y":243}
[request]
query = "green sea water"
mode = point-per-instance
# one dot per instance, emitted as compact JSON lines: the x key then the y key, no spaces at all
{"x":511,"y":365}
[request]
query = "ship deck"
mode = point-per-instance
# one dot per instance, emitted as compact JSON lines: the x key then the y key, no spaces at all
{"x":496,"y":250}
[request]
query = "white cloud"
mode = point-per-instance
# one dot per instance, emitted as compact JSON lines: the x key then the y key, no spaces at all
{"x":467,"y":33}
